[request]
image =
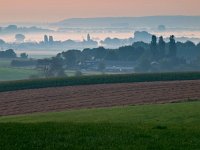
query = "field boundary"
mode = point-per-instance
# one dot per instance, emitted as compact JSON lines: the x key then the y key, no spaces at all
{"x":97,"y":79}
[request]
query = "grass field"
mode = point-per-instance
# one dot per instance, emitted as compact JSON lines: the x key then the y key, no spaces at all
{"x":9,"y":73}
{"x":167,"y":126}
{"x":5,"y":62}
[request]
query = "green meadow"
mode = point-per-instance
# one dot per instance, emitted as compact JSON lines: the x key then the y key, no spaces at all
{"x":9,"y":73}
{"x":160,"y":126}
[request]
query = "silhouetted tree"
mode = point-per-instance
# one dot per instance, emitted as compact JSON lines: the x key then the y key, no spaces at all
{"x":161,"y":47}
{"x":172,"y":47}
{"x":51,"y":67}
{"x":11,"y":28}
{"x":51,"y":39}
{"x":46,"y":40}
{"x":153,"y":47}
{"x":100,"y":53}
{"x":8,"y":54}
{"x":140,"y":44}
{"x":24,"y":55}
{"x":88,"y":37}
{"x":20,"y":37}
{"x":112,"y":56}
{"x":71,"y":58}
{"x":56,"y":67}
{"x":2,"y":42}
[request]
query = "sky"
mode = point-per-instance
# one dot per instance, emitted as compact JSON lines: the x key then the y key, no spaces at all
{"x":45,"y":11}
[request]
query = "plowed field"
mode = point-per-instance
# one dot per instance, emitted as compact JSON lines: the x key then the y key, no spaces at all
{"x":93,"y":96}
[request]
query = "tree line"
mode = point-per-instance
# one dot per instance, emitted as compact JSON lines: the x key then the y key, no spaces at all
{"x":156,"y":56}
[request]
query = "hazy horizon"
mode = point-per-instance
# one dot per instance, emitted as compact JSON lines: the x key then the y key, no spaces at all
{"x":52,"y":11}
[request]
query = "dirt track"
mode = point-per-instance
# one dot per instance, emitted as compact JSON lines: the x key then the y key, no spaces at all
{"x":92,"y":96}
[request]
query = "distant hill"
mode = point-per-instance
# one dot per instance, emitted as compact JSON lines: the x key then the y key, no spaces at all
{"x":151,"y":21}
{"x":12,"y":29}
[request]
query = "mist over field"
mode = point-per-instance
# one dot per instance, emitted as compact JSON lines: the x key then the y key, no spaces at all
{"x":101,"y":30}
{"x":101,"y":44}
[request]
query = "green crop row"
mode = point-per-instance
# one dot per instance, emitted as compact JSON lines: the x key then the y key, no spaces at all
{"x":98,"y":79}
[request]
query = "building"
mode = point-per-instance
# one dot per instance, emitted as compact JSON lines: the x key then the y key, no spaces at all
{"x":46,"y":40}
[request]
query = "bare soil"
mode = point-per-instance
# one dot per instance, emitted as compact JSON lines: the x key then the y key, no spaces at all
{"x":95,"y":96}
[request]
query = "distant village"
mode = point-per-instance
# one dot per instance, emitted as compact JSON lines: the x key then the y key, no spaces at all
{"x":50,"y":43}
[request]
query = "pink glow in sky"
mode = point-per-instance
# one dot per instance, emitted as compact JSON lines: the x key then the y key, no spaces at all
{"x":55,"y":10}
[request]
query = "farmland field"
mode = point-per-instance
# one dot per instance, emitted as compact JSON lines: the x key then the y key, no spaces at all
{"x":100,"y":116}
{"x":160,"y":126}
{"x":5,"y":62}
{"x":9,"y":73}
{"x":94,"y":96}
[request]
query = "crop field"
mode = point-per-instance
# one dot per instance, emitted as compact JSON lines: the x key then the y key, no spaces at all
{"x":94,"y":96}
{"x":157,"y":126}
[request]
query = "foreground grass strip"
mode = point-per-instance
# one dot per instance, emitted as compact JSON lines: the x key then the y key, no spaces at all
{"x":98,"y":79}
{"x":179,"y":113}
{"x":168,"y":126}
{"x":100,"y":136}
